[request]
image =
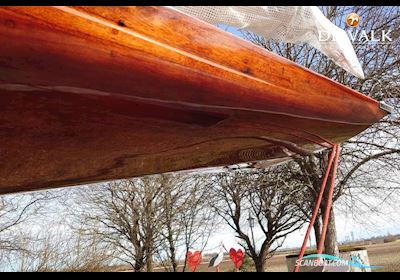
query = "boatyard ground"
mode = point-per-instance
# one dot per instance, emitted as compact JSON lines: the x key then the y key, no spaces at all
{"x":382,"y":254}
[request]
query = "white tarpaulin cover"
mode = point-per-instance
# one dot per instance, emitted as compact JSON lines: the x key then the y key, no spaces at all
{"x":292,"y":24}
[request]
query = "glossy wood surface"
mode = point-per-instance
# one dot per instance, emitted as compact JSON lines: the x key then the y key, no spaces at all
{"x":97,"y":93}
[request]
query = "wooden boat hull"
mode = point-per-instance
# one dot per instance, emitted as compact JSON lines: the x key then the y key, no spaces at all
{"x":98,"y":93}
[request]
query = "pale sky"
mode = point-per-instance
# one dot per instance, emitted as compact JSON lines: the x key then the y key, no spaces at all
{"x":345,"y":227}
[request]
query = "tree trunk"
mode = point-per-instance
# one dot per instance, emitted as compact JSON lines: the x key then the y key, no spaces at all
{"x":259,"y":263}
{"x":184,"y":264}
{"x":172,"y":249}
{"x":138,"y":265}
{"x":317,"y":231}
{"x":173,"y":260}
{"x":331,"y":245}
{"x":149,"y":262}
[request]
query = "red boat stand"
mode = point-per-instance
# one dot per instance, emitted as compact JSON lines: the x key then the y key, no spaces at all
{"x":333,"y":158}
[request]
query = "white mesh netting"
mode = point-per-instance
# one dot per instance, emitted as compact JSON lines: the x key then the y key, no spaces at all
{"x":292,"y":24}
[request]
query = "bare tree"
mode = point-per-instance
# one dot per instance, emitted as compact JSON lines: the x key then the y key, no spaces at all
{"x":270,"y":196}
{"x":188,"y":220}
{"x":35,"y":236}
{"x":15,"y":211}
{"x":174,"y":201}
{"x":201,"y":221}
{"x":377,"y":149}
{"x":126,"y":215}
{"x":60,"y":249}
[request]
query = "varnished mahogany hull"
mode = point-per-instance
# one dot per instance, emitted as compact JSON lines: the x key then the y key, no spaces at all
{"x":97,"y":93}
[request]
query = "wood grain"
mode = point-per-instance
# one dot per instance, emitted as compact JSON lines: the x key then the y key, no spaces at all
{"x":97,"y":93}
